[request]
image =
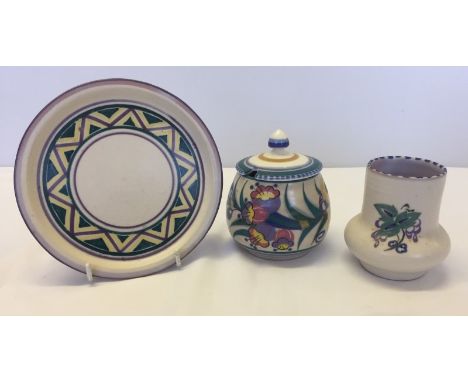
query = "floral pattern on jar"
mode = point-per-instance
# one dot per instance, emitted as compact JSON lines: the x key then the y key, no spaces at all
{"x":271,"y":217}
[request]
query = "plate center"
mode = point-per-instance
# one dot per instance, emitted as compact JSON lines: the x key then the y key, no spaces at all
{"x":123,"y":180}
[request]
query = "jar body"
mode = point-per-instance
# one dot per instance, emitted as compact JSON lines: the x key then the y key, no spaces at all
{"x":278,"y":221}
{"x":397,"y":235}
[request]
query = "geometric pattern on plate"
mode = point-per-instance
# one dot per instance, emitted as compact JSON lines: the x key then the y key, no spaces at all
{"x":61,"y":205}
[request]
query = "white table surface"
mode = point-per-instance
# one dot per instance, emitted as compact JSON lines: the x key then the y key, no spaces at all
{"x":217,"y":278}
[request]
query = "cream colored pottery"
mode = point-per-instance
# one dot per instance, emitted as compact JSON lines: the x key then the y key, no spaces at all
{"x":397,"y":235}
{"x":278,"y":206}
{"x":118,"y":178}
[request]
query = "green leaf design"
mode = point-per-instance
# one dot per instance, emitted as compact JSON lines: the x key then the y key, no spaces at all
{"x":240,"y":221}
{"x":234,"y":204}
{"x":241,"y":232}
{"x":303,"y":235}
{"x":294,"y":213}
{"x":386,"y":211}
{"x":232,"y":195}
{"x":317,"y":188}
{"x":242,"y":201}
{"x":320,"y":227}
{"x":393,"y":224}
{"x":314,"y":210}
{"x":280,"y":221}
{"x":407,"y":219}
{"x":306,"y":231}
{"x":389,"y":228}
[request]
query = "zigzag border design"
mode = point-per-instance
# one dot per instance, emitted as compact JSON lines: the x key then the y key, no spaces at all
{"x":55,"y":180}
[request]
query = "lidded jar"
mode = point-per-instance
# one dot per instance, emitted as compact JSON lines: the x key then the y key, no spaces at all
{"x":278,"y":206}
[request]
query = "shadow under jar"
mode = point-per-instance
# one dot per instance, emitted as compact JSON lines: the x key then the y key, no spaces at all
{"x":397,"y":235}
{"x":278,"y":206}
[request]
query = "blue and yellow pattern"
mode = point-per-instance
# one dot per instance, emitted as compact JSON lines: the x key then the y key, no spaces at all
{"x":63,"y":209}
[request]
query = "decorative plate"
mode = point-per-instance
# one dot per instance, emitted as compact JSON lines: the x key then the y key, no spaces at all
{"x":119,"y":177}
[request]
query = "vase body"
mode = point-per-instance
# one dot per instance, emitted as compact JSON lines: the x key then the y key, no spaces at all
{"x":397,"y":235}
{"x":278,"y":220}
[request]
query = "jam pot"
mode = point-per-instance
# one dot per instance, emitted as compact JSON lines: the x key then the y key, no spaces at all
{"x":278,"y":206}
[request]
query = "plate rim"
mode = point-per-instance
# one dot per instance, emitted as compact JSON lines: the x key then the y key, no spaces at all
{"x":114,"y":81}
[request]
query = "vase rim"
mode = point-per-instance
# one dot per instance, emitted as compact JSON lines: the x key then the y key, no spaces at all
{"x":407,"y":167}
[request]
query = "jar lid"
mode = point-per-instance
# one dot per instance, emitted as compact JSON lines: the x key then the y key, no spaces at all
{"x":279,"y":164}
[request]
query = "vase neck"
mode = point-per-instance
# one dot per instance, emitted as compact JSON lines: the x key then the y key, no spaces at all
{"x":389,"y":195}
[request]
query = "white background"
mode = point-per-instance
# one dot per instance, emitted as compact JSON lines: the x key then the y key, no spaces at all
{"x":342,"y":115}
{"x":336,"y":32}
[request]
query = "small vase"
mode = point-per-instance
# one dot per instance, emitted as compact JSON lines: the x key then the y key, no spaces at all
{"x":397,"y":235}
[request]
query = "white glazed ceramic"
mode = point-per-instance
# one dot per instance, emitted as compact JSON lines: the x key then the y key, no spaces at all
{"x":118,"y":178}
{"x":278,"y":206}
{"x":397,"y":235}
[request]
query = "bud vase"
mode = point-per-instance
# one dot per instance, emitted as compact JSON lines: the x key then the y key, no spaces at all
{"x":397,"y":235}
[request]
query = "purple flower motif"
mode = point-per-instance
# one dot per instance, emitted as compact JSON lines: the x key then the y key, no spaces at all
{"x":267,"y":230}
{"x":254,"y":214}
{"x":393,"y":244}
{"x":266,"y":197}
{"x":265,"y":193}
{"x":261,"y":235}
{"x":397,"y":246}
{"x":413,"y":231}
{"x":271,"y":205}
{"x":284,"y":239}
{"x":402,"y":248}
{"x":378,"y":238}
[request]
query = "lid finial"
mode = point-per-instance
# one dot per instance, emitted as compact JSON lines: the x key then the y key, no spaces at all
{"x":278,"y":139}
{"x":278,"y":164}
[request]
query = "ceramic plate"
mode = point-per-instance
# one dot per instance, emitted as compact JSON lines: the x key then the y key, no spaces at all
{"x":120,"y":175}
